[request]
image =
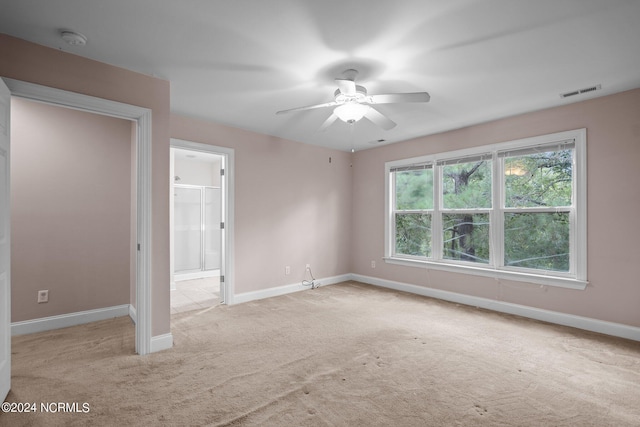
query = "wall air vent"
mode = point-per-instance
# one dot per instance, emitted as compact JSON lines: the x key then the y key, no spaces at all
{"x":580,"y":91}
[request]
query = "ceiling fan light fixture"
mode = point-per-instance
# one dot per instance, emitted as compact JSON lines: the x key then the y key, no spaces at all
{"x":351,"y":112}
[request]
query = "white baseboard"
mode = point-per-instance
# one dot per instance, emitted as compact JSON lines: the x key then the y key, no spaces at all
{"x":133,"y":314}
{"x":161,"y":342}
{"x":66,"y":320}
{"x":197,"y":275}
{"x":286,"y":289}
{"x":586,"y":323}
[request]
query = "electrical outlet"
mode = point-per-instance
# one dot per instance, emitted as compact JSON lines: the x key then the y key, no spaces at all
{"x":287,"y":270}
{"x":373,"y":264}
{"x":43,"y":296}
{"x":308,"y":267}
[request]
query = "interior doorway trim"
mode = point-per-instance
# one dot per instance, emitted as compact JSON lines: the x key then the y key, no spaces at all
{"x":142,"y":117}
{"x":228,"y":259}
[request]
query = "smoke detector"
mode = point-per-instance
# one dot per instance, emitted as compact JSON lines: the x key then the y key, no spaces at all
{"x":73,"y":38}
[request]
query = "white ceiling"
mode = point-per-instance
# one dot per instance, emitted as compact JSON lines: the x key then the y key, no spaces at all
{"x":238,"y":62}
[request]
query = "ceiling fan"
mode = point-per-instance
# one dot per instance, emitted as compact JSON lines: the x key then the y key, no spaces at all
{"x":352,"y":103}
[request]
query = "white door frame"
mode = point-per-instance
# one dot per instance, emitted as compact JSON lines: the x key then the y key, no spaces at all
{"x":142,"y":118}
{"x":227,"y":261}
{"x":5,"y":242}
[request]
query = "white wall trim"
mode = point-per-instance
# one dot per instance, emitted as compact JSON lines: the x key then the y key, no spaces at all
{"x":287,"y":289}
{"x":586,"y":323}
{"x":144,"y":179}
{"x":66,"y":320}
{"x":161,"y":342}
{"x":133,"y":314}
{"x":197,"y":275}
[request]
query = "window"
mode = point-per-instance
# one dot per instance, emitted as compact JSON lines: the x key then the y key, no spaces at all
{"x":413,"y":207}
{"x":513,"y":210}
{"x":466,"y":204}
{"x":538,"y":194}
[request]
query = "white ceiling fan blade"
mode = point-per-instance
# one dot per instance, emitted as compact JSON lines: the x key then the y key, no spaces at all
{"x":309,"y":107}
{"x":347,"y":87}
{"x":380,"y":119}
{"x":332,"y":118}
{"x":395,"y":98}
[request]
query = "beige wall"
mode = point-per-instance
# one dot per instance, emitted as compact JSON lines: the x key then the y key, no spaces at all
{"x":292,"y":207}
{"x":613,"y":150}
{"x":70,"y":209}
{"x":32,"y":63}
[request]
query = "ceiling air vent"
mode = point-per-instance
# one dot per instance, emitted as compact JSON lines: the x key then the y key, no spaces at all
{"x":580,"y":91}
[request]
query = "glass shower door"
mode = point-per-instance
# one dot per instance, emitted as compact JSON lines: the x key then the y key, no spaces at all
{"x":187,"y":229}
{"x":212,"y":230}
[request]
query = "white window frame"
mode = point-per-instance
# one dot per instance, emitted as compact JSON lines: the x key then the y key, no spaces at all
{"x":576,"y":278}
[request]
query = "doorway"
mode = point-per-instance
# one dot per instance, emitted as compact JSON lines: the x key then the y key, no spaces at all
{"x":201,"y":228}
{"x":72,"y":217}
{"x":142,"y":124}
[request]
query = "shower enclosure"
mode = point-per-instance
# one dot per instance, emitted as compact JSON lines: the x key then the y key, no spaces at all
{"x":197,"y":233}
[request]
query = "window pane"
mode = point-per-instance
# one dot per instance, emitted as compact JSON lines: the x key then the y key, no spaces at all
{"x":541,"y":179}
{"x":414,"y":189}
{"x":467,"y":185}
{"x":537,"y":240}
{"x":413,"y":234}
{"x":466,"y":237}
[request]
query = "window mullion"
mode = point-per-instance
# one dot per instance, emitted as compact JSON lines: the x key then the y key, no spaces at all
{"x":390,"y":238}
{"x":536,"y":209}
{"x":497,"y":214}
{"x":436,"y":219}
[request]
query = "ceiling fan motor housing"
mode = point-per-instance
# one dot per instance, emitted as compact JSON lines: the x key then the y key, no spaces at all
{"x":360,"y":96}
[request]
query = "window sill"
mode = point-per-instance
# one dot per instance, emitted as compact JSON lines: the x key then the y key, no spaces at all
{"x":538,"y":279}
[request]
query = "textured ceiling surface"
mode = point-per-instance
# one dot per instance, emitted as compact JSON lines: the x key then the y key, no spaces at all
{"x":239,"y":62}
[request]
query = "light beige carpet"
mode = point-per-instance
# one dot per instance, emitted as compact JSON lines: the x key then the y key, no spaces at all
{"x":341,"y":355}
